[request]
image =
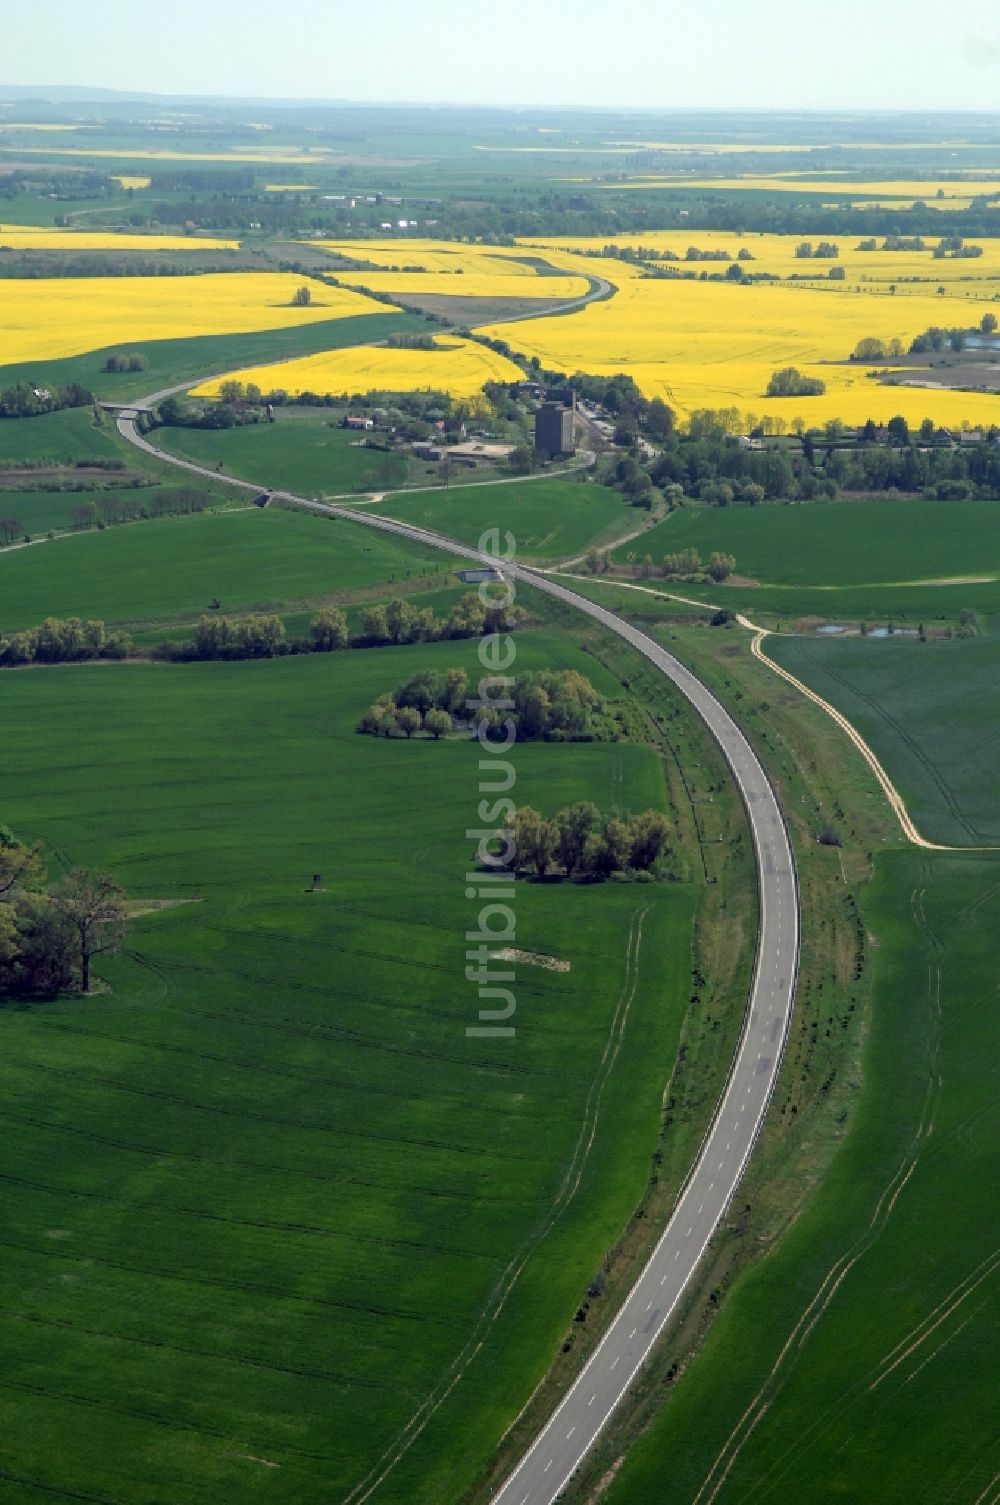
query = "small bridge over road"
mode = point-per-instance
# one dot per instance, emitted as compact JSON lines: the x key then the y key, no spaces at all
{"x":125,"y":409}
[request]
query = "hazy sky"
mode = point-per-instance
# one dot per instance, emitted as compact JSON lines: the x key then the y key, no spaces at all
{"x":849,"y":54}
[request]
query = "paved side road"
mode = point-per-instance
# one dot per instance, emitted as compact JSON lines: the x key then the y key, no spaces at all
{"x":575,"y":1425}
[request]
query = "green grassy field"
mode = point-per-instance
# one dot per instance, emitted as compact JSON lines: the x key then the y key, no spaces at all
{"x":259,"y":1196}
{"x":62,"y":437}
{"x":172,"y":361}
{"x":856,"y":1361}
{"x":305,"y":450}
{"x":930,"y":710}
{"x":550,"y":519}
{"x":173,"y":568}
{"x":842,"y":558}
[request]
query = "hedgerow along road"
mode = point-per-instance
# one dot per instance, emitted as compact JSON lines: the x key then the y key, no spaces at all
{"x":577,"y":1422}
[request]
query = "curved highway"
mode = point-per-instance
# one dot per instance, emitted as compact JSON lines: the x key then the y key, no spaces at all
{"x":575,"y":1425}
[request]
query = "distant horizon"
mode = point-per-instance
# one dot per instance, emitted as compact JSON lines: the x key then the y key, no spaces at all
{"x":641,"y":59}
{"x":69,"y":94}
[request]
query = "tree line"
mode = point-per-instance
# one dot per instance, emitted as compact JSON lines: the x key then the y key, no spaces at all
{"x":579,"y":843}
{"x":63,"y":641}
{"x":49,"y":936}
{"x":395,"y":622}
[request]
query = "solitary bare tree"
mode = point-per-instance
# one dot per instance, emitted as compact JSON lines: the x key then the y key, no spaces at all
{"x":94,"y":905}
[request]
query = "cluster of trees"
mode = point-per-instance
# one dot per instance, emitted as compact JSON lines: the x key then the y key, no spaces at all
{"x":63,"y":641}
{"x":871,"y":348}
{"x":395,"y":622}
{"x":238,"y":404}
{"x":579,"y":842}
{"x":49,"y":937}
{"x":405,"y":341}
{"x":11,"y":528}
{"x":789,"y":382}
{"x":25,"y":401}
{"x":894,"y":243}
{"x":953,"y":246}
{"x":126,"y":360}
{"x":934,"y":338}
{"x":408,"y":711}
{"x":825,"y":250}
{"x":551,"y":706}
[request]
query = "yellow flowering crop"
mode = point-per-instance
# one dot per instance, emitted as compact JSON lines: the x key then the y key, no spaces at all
{"x":831,"y":189}
{"x":129,"y":181}
{"x":31,"y":238}
{"x":276,"y":154}
{"x":478,"y":285}
{"x":51,"y":318}
{"x":775,"y":254}
{"x":459,"y":367}
{"x":449,"y":257}
{"x":715,"y":344}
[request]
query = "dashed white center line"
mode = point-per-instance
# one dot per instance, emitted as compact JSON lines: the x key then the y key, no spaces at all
{"x":570,"y":1433}
{"x":633,"y":1333}
{"x":592,"y":1399}
{"x":648,"y":1305}
{"x":547,"y":1467}
{"x":614,"y":1361}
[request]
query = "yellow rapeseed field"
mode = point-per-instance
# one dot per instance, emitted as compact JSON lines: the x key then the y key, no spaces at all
{"x":276,"y":154}
{"x":128,"y":180}
{"x":450,"y":269}
{"x":476,"y":285}
{"x":775,"y":254}
{"x":449,"y":257}
{"x":32,"y":238}
{"x":459,"y":367}
{"x":51,"y":318}
{"x":715,"y":344}
{"x":930,"y":192}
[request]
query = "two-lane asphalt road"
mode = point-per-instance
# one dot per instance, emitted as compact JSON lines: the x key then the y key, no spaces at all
{"x":577,"y":1422}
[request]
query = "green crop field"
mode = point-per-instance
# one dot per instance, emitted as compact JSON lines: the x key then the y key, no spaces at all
{"x":175,"y":567}
{"x":305,"y":450}
{"x":842,"y":558}
{"x":857,"y":1360}
{"x":259,"y":1194}
{"x":550,"y":519}
{"x":931,"y":711}
{"x":63,"y":438}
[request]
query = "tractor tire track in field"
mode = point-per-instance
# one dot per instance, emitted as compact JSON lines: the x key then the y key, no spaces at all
{"x":909,"y":741}
{"x":567,"y":1191}
{"x":236,"y":1360}
{"x":719,"y":1471}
